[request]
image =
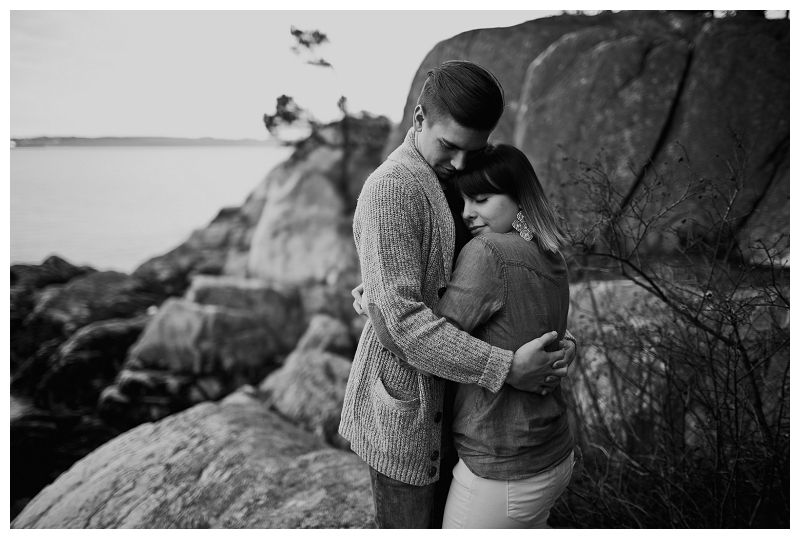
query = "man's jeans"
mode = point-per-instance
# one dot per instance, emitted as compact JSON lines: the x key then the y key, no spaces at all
{"x":400,"y":505}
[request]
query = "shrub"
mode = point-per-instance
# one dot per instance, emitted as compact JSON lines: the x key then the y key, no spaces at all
{"x":680,"y":395}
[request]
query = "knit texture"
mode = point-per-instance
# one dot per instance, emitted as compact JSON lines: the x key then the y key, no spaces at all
{"x":404,"y":235}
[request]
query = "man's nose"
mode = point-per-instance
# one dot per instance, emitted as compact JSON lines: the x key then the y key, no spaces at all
{"x":459,"y":160}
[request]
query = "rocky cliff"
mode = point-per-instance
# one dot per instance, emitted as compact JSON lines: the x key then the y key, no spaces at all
{"x":645,"y":89}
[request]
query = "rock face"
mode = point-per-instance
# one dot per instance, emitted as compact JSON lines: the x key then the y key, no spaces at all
{"x":633,"y":84}
{"x":305,"y":230}
{"x":226,"y":333}
{"x":309,"y":389}
{"x":232,"y":464}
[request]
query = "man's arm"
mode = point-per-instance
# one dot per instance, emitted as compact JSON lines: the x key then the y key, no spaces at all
{"x":389,"y":233}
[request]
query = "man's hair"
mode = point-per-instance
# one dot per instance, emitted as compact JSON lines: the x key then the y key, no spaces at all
{"x":467,"y":92}
{"x":504,"y":169}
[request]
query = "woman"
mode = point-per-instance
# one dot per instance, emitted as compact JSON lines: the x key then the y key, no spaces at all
{"x":509,"y":286}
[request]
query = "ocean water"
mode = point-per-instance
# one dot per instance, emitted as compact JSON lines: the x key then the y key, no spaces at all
{"x":116,"y":207}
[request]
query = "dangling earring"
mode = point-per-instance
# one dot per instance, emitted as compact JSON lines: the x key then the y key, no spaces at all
{"x":521,"y":226}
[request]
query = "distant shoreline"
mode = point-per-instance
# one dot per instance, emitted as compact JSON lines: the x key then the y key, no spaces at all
{"x":136,"y":141}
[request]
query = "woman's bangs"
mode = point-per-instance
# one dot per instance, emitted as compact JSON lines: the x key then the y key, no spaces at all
{"x":473,"y":183}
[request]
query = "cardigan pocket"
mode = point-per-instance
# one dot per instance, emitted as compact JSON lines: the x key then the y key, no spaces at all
{"x":397,"y":420}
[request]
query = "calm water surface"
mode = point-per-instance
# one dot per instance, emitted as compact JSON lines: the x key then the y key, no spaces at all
{"x":114,"y":208}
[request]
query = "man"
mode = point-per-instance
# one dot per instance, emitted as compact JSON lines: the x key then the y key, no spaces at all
{"x":405,"y":235}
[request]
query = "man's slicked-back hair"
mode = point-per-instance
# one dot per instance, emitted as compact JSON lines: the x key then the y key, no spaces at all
{"x":467,"y":92}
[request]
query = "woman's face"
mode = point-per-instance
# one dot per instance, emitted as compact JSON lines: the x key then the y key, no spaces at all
{"x":489,"y":213}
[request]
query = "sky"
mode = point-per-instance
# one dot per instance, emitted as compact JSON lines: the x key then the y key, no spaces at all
{"x":214,"y":73}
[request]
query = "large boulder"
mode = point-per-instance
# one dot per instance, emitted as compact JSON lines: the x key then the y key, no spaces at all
{"x":309,"y":388}
{"x":43,"y":445}
{"x":279,"y":305}
{"x":649,"y":92}
{"x":309,"y":391}
{"x":305,"y":230}
{"x":220,"y":248}
{"x":592,"y":90}
{"x":190,"y":338}
{"x":231,"y":464}
{"x":191,"y":352}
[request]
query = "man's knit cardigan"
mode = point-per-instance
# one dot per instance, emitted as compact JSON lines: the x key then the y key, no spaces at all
{"x":404,"y":235}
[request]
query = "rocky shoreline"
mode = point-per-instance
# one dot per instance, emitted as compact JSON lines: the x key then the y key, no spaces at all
{"x":204,"y":389}
{"x":95,"y":354}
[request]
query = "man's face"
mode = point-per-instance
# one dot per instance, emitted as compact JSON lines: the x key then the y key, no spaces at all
{"x":446,"y":145}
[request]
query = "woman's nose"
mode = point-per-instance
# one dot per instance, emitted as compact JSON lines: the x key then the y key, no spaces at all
{"x":467,"y":213}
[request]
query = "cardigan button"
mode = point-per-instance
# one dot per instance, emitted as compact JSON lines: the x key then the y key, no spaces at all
{"x":432,"y":471}
{"x":437,"y":417}
{"x":441,"y":291}
{"x":435,"y":455}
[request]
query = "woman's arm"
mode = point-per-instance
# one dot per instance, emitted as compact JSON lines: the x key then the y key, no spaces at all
{"x":477,"y":289}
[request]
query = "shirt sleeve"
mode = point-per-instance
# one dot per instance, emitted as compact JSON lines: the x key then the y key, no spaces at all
{"x":477,"y":289}
{"x":388,"y":228}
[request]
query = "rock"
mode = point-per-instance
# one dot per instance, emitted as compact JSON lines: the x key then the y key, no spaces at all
{"x":25,"y":281}
{"x":170,"y":274}
{"x":593,"y":90}
{"x":86,"y":363}
{"x":332,"y":300}
{"x":738,"y":84}
{"x":191,"y":352}
{"x":139,"y":396}
{"x":631,"y":86}
{"x":279,"y":305}
{"x":62,"y":309}
{"x":54,"y":270}
{"x":43,"y":445}
{"x":232,"y":464}
{"x":189,"y":338}
{"x":327,"y":334}
{"x":305,"y":229}
{"x":309,"y":391}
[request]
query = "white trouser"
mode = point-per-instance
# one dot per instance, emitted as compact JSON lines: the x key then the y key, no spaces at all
{"x":475,"y":502}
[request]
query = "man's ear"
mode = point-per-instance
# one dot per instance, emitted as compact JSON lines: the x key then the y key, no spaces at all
{"x":418,"y":118}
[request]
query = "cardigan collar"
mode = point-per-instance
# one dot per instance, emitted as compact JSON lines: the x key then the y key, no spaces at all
{"x":408,"y":155}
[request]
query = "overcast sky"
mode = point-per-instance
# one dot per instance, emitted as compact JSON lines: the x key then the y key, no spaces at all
{"x":213,"y":73}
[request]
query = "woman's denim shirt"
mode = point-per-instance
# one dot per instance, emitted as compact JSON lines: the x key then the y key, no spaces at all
{"x":508,"y":291}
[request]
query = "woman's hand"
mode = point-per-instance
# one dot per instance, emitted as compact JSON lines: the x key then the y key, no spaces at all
{"x":537,"y":371}
{"x":562,"y":366}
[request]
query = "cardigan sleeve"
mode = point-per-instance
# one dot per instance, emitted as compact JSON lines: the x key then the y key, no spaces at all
{"x":388,"y":229}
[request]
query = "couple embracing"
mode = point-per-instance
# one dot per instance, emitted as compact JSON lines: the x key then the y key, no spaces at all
{"x":466,"y":294}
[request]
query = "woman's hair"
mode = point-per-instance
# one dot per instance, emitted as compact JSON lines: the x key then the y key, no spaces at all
{"x":503,"y":169}
{"x":465,"y":91}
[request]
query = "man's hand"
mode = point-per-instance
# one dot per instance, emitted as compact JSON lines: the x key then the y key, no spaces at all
{"x":537,"y":371}
{"x":358,"y":298}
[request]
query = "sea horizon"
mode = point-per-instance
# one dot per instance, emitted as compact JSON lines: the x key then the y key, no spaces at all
{"x":115,"y":207}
